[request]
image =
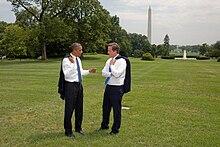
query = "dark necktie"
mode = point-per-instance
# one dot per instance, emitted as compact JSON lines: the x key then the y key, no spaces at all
{"x":78,"y":69}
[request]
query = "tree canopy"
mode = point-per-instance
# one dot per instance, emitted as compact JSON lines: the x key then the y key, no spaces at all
{"x":40,"y":11}
{"x":47,"y":28}
{"x":14,"y":41}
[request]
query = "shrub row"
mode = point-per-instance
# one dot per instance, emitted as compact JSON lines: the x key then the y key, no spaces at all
{"x":202,"y":58}
{"x":197,"y":57}
{"x":167,"y":57}
{"x":187,"y":56}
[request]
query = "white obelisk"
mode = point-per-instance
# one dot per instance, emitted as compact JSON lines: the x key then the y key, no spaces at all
{"x":149,"y":25}
{"x":184,"y":54}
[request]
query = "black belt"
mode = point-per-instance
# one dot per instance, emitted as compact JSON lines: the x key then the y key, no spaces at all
{"x":115,"y":85}
{"x":73,"y":82}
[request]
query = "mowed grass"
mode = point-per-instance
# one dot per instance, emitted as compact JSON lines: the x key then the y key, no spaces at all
{"x":172,"y":103}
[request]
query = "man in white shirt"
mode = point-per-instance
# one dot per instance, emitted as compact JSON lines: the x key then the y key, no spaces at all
{"x":114,"y":71}
{"x":73,"y":89}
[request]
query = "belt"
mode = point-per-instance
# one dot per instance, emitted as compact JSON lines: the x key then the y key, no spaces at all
{"x":73,"y":82}
{"x":114,"y":85}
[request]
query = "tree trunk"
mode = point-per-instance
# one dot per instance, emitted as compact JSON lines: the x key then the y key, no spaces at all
{"x":42,"y":39}
{"x":44,"y":52}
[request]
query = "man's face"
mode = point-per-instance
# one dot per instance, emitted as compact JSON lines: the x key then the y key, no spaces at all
{"x":78,"y":52}
{"x":111,"y":52}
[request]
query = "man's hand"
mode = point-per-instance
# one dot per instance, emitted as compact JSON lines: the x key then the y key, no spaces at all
{"x":112,"y":62}
{"x":92,"y":70}
{"x":71,"y":59}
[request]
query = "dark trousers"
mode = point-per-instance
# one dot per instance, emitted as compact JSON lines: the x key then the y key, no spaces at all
{"x":112,"y":99}
{"x":73,"y":101}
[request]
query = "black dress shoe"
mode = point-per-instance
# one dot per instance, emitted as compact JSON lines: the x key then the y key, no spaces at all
{"x":80,"y":132}
{"x":113,"y":133}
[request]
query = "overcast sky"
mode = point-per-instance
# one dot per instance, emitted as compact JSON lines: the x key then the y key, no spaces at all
{"x":187,"y":22}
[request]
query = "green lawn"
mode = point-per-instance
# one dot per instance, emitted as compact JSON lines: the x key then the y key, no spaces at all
{"x":172,"y":103}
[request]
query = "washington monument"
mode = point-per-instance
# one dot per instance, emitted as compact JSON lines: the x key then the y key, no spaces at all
{"x":149,"y":25}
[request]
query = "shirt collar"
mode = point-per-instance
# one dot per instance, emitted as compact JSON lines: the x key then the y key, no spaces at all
{"x":116,"y":56}
{"x":72,"y":55}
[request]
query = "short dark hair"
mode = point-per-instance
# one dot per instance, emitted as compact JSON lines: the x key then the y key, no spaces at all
{"x":75,"y":46}
{"x":115,"y":46}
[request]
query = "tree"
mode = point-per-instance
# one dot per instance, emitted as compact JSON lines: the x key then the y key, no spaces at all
{"x":57,"y":37}
{"x":160,"y":50}
{"x":26,"y":19}
{"x":217,"y":45}
{"x":140,"y":42}
{"x":90,"y":24}
{"x":203,"y":49}
{"x":154,"y":51}
{"x":14,"y":41}
{"x":166,"y":39}
{"x":166,"y":45}
{"x":3,"y":25}
{"x":119,"y":35}
{"x":33,"y":43}
{"x":214,"y":50}
{"x":138,"y":53}
{"x":192,"y":48}
{"x":42,"y":10}
{"x":125,"y":43}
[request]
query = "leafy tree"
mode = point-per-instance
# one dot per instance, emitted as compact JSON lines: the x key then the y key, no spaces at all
{"x":214,"y":50}
{"x":115,"y":29}
{"x":26,"y":19}
{"x":33,"y":44}
{"x":42,"y":10}
{"x":138,"y":53}
{"x":90,"y":24}
{"x":166,"y":45}
{"x":166,"y":40}
{"x":192,"y":48}
{"x":154,"y":51}
{"x":119,"y":35}
{"x":1,"y":50}
{"x":14,"y":41}
{"x":3,"y":25}
{"x":125,"y":43}
{"x":161,"y":50}
{"x":140,"y":42}
{"x":203,"y":49}
{"x":57,"y":36}
{"x":217,"y":45}
{"x":173,"y":47}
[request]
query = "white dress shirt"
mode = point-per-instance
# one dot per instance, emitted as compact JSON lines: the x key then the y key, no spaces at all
{"x":70,"y":69}
{"x":117,"y":74}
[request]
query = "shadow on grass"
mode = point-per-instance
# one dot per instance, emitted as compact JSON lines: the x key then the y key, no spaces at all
{"x":41,"y":137}
{"x":49,"y":60}
{"x":27,"y":61}
{"x":45,"y":136}
{"x":95,"y":134}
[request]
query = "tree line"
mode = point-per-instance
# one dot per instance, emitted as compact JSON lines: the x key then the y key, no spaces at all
{"x":47,"y":28}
